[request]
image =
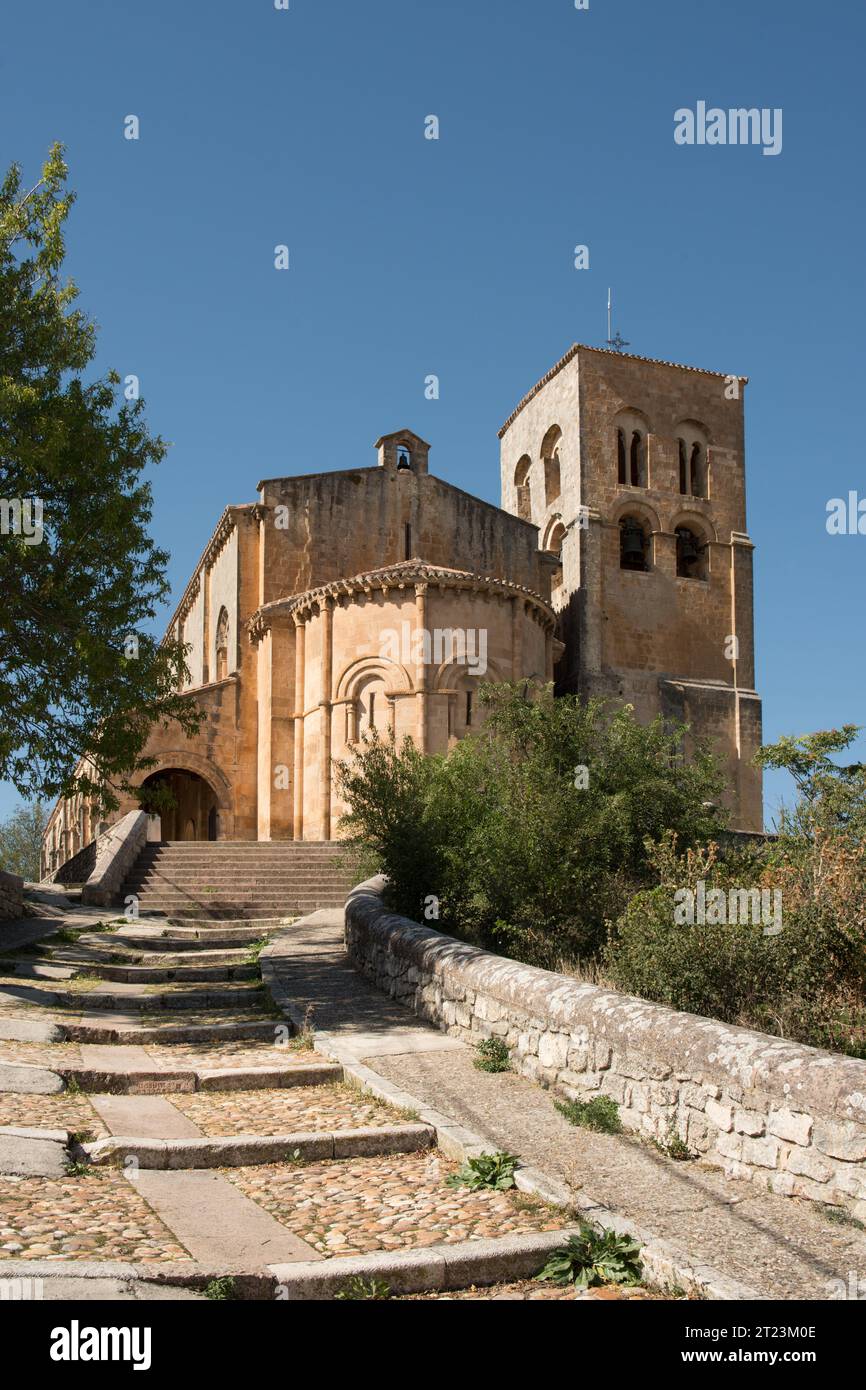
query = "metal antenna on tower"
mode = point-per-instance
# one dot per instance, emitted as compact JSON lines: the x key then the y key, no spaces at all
{"x":617,"y":342}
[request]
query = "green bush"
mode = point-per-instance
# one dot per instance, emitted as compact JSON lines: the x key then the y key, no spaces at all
{"x":492,"y":1055}
{"x":500,"y":843}
{"x":601,"y":1114}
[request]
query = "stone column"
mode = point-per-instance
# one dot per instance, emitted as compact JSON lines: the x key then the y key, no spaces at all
{"x":325,"y":714}
{"x":420,"y":665}
{"x":298,"y":779}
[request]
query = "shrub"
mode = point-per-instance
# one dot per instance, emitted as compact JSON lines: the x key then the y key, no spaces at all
{"x":493,"y":1055}
{"x":601,"y":1114}
{"x":517,"y":854}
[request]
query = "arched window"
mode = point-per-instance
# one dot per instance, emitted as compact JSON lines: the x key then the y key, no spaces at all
{"x":697,"y":470}
{"x":521,"y":483}
{"x":404,"y":459}
{"x":637,"y":459}
{"x":684,"y":467}
{"x":633,"y":545}
{"x":691,"y":554}
{"x":550,"y":459}
{"x":693,"y":442}
{"x":554,"y":544}
{"x":222,"y":645}
{"x":371,"y":707}
{"x":632,"y":432}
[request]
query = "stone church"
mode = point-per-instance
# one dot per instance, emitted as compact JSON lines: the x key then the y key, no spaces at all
{"x":618,"y":565}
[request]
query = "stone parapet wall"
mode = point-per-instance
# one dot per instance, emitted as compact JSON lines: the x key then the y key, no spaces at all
{"x":116,"y":852}
{"x":11,"y":896}
{"x":792,"y":1118}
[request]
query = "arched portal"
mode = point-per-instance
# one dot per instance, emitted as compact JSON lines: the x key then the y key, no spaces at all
{"x":193,"y":812}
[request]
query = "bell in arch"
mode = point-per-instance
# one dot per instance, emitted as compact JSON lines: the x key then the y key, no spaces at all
{"x":632,"y":545}
{"x":404,"y":459}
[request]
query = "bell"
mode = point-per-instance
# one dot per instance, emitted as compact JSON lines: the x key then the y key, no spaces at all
{"x":690,"y":551}
{"x":632,"y":546}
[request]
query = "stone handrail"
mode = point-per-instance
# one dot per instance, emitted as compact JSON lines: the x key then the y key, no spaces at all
{"x":116,"y":851}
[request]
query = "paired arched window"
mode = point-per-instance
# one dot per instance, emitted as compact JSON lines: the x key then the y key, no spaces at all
{"x":633,"y":544}
{"x":222,"y":645}
{"x":691,"y":554}
{"x":692,"y":446}
{"x":631,"y":449}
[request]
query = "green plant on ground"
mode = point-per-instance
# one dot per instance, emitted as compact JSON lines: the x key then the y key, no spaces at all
{"x":840,"y":1217}
{"x":601,"y":1114}
{"x":358,"y":1288}
{"x":675,"y":1147}
{"x":72,"y":1087}
{"x":296,"y":1158}
{"x":494,"y":1170}
{"x":592,"y":1258}
{"x":492,"y":1055}
{"x":254,"y":950}
{"x":82,"y":1136}
{"x":220,"y":1290}
{"x":78,"y":1168}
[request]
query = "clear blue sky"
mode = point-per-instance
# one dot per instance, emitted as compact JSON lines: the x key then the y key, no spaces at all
{"x":454,"y":257}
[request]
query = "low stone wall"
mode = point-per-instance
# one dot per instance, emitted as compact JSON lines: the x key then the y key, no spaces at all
{"x":11,"y":897}
{"x":116,"y":851}
{"x":792,"y":1118}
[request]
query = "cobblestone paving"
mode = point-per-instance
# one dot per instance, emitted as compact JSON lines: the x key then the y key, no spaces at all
{"x":41,"y":1054}
{"x":229,"y":1053}
{"x":51,"y":1112}
{"x":95,"y":1217}
{"x":296,"y":1110}
{"x":397,"y":1202}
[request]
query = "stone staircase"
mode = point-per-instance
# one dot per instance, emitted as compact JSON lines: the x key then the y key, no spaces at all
{"x":239,"y":879}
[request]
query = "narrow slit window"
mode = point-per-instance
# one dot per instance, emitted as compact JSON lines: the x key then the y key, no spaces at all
{"x":620,"y":457}
{"x":407,"y":542}
{"x":468,"y":708}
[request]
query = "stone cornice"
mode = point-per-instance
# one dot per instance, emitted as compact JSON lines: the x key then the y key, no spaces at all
{"x":408,"y":574}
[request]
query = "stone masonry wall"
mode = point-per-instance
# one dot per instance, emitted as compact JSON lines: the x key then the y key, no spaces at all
{"x":789,"y":1117}
{"x":11,"y":896}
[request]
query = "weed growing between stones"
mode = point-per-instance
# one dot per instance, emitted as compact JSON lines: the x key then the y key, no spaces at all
{"x":601,"y":1114}
{"x":495,"y":1171}
{"x":672,"y":1146}
{"x":592,"y":1258}
{"x":367,"y":1289}
{"x":840,"y":1217}
{"x":493,"y":1055}
{"x":220,"y":1290}
{"x":78,"y":1168}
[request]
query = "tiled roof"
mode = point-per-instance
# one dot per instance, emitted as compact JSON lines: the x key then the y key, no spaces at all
{"x":610,"y":352}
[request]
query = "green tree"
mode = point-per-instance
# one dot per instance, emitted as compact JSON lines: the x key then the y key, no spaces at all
{"x":532,"y":833}
{"x":80,"y":678}
{"x":21,"y":839}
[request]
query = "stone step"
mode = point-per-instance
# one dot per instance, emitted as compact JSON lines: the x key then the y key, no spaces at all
{"x":240,"y":1150}
{"x":192,"y":999}
{"x":185,"y":1080}
{"x":138,"y":1035}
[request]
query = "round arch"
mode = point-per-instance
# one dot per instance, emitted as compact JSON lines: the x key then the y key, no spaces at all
{"x":366,"y":668}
